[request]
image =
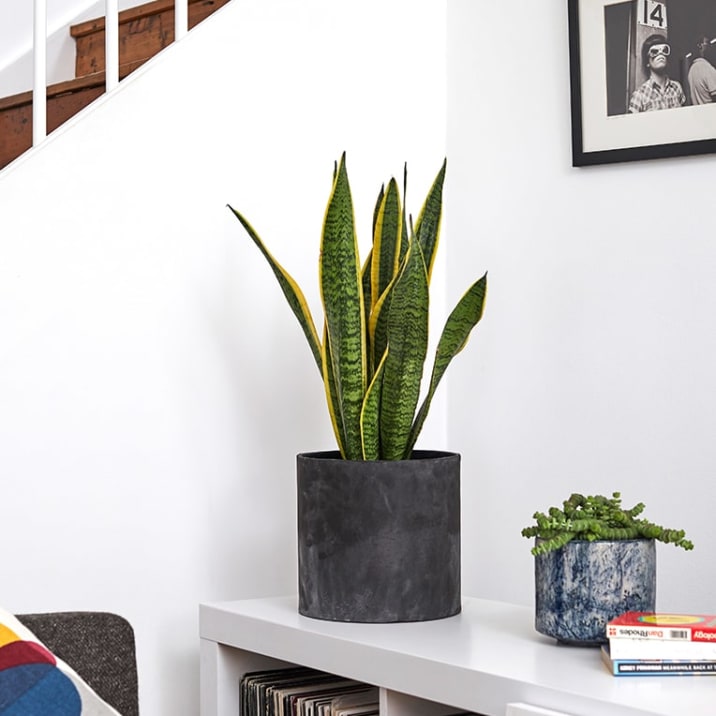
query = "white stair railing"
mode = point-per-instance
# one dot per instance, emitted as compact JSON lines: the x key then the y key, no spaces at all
{"x":111,"y":29}
{"x":111,"y":45}
{"x":39,"y":72}
{"x":181,"y":18}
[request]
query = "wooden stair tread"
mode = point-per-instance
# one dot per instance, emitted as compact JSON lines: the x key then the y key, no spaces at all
{"x":143,"y":31}
{"x":16,"y":121}
{"x":133,"y":13}
{"x":96,"y":79}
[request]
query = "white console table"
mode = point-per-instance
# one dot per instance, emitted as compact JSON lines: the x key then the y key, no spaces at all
{"x":487,"y":660}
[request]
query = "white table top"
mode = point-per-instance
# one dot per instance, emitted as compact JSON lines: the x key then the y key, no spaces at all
{"x":487,"y":655}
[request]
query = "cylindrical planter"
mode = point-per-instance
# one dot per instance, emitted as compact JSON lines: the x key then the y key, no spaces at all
{"x":379,"y":541}
{"x":581,"y":586}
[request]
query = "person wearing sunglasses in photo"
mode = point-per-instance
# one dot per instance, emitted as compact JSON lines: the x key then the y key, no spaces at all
{"x":702,"y":76}
{"x":658,"y":92}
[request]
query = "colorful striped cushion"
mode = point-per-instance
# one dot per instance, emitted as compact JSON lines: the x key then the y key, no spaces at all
{"x":34,"y":682}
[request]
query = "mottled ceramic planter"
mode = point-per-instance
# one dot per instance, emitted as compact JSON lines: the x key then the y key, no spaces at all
{"x":379,"y":541}
{"x":583,"y":585}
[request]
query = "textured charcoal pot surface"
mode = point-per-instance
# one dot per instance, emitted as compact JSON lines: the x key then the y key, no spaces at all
{"x":379,"y":541}
{"x":581,"y":586}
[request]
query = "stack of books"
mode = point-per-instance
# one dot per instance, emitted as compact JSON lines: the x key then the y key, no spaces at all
{"x":653,"y":644}
{"x":301,"y":691}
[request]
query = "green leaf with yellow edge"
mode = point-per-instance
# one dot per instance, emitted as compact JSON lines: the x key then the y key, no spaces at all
{"x":404,"y":227}
{"x":342,"y":296}
{"x":332,"y":399}
{"x":365,"y":281}
{"x":376,"y":208}
{"x":378,"y":325}
{"x":292,"y":292}
{"x":407,"y":347}
{"x":464,"y":317}
{"x":370,"y":414}
{"x":427,"y":228}
{"x":386,"y":242}
{"x":384,"y":268}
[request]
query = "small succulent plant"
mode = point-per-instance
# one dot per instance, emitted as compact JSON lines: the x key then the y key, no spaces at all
{"x":597,"y":518}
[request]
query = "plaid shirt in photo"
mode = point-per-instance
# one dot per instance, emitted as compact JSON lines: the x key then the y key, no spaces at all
{"x":651,"y":96}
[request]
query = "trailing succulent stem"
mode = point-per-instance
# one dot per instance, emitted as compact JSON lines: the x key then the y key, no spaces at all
{"x":374,"y":337}
{"x":593,"y":518}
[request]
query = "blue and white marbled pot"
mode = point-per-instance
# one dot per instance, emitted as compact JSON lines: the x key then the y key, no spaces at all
{"x":581,"y":586}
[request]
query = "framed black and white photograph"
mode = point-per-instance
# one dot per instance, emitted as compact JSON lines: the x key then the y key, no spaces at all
{"x":643,"y":79}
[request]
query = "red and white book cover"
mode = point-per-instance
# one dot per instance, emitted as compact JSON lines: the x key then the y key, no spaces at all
{"x":656,"y":625}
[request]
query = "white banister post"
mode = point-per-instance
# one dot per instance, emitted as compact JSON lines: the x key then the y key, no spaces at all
{"x":181,"y":18}
{"x":111,"y":44}
{"x":39,"y":82}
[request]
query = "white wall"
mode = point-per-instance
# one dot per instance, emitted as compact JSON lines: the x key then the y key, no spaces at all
{"x":594,"y":366}
{"x":16,"y":26}
{"x":16,"y":39}
{"x":155,"y":387}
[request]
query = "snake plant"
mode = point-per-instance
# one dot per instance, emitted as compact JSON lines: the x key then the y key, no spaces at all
{"x":374,"y":337}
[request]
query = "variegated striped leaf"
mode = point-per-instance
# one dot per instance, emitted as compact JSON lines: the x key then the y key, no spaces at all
{"x":342,"y":296}
{"x":404,"y":227}
{"x":407,"y":346}
{"x":376,"y":208}
{"x":427,"y":228}
{"x":365,"y":281}
{"x":464,"y":317}
{"x":292,"y":292}
{"x":369,"y":418}
{"x":378,"y":326}
{"x":332,"y":399}
{"x":386,"y":242}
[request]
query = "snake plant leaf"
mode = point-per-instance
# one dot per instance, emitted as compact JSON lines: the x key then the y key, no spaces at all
{"x":376,"y":208}
{"x":292,"y":292}
{"x":386,"y":242}
{"x":378,"y":325}
{"x":366,"y":278}
{"x":407,"y":347}
{"x":342,"y":296}
{"x":370,"y":414}
{"x":464,"y":317}
{"x":427,"y":228}
{"x":404,"y":226}
{"x":332,"y":399}
{"x":378,"y":317}
{"x":365,"y":281}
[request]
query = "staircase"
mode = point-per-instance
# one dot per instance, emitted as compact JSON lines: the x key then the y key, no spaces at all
{"x":143,"y":32}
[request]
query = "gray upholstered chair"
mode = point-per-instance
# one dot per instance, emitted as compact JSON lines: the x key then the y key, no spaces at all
{"x":99,"y":646}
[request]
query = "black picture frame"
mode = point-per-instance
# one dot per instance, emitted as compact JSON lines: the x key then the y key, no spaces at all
{"x":599,"y":137}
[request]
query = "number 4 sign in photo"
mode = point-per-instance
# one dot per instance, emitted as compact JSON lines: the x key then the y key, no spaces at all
{"x":651,"y":13}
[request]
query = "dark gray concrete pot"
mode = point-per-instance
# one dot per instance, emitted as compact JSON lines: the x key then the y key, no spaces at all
{"x":581,"y":586}
{"x":379,"y":541}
